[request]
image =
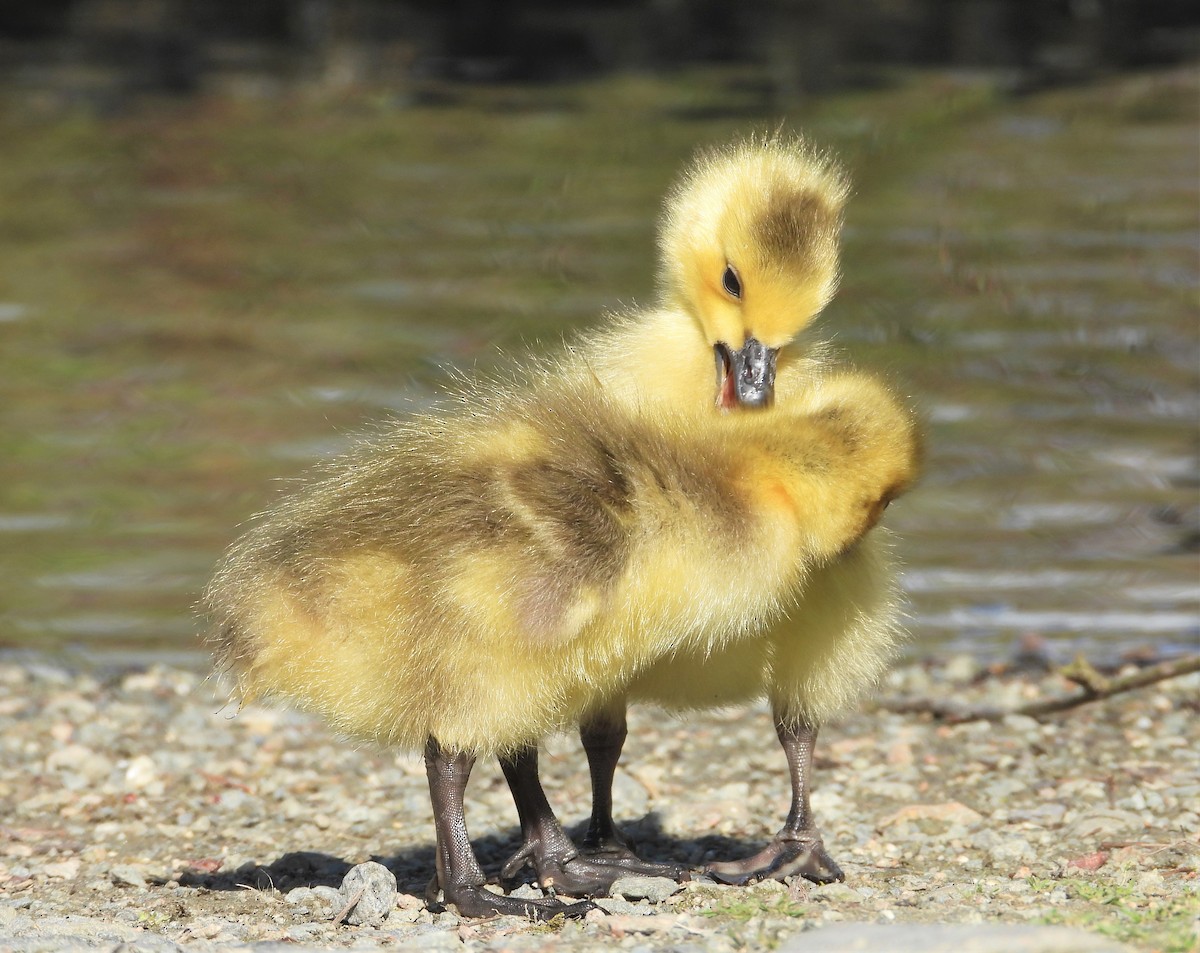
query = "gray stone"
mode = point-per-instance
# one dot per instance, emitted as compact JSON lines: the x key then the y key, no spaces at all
{"x":836,"y":892}
{"x":1046,"y":815}
{"x":127,"y":875}
{"x":82,"y":761}
{"x":305,"y":931}
{"x":433,"y":940}
{"x":1023,"y":724}
{"x":329,"y":895}
{"x":371,"y":887}
{"x":320,"y":901}
{"x":654,"y":889}
{"x":1012,"y":850}
{"x":618,"y":907}
{"x":1106,"y":822}
{"x":1004,"y":788}
{"x":951,"y":938}
{"x":299,"y":895}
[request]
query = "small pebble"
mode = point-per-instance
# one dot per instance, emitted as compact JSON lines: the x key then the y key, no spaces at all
{"x":619,"y":907}
{"x":64,"y":869}
{"x":654,"y":889}
{"x":371,"y":888}
{"x":126,"y":875}
{"x":141,"y":772}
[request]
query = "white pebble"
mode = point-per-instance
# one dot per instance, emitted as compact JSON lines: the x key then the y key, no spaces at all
{"x":141,"y":772}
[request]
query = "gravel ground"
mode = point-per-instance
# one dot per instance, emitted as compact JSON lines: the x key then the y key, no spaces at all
{"x":137,"y":810}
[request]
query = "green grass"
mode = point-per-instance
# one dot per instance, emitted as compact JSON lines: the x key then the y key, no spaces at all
{"x":1123,"y":912}
{"x":752,"y":919}
{"x":747,"y":906}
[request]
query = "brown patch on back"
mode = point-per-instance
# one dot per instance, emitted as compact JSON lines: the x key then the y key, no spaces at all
{"x":843,"y":426}
{"x":580,"y":508}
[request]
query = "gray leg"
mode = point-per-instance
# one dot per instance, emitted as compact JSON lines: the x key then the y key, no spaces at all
{"x":797,"y":848}
{"x":458,"y":871}
{"x":545,"y":844}
{"x":603,"y":736}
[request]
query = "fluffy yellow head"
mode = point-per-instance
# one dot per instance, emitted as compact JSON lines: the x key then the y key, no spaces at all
{"x":749,"y":240}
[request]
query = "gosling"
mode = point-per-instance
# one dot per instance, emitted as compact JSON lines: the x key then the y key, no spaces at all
{"x":532,"y":553}
{"x":765,"y":217}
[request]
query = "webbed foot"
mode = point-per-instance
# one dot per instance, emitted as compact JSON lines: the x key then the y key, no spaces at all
{"x":477,"y":901}
{"x":617,"y":852}
{"x":584,"y":874}
{"x":784,"y":857}
{"x":560,"y":866}
{"x":568,"y":874}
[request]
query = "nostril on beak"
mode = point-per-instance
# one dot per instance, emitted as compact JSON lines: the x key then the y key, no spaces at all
{"x":746,"y":377}
{"x":756,"y":374}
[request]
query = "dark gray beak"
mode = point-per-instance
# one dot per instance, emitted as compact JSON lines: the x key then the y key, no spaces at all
{"x":745,"y":378}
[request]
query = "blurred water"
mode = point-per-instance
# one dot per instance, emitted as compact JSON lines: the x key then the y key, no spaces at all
{"x":1061,"y":499}
{"x":1027,"y":270}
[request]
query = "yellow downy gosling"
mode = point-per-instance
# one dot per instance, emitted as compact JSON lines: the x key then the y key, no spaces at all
{"x":533,"y":552}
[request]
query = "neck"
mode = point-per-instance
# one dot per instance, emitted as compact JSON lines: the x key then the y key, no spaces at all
{"x":656,"y":359}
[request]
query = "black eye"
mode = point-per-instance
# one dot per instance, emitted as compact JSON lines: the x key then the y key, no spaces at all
{"x":730,"y":282}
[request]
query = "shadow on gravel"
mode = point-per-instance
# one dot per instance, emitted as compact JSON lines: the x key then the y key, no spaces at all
{"x":296,"y":869}
{"x":413,"y":868}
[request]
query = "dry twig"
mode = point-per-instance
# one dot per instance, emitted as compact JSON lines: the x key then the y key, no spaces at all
{"x":350,"y":904}
{"x":1093,"y":684}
